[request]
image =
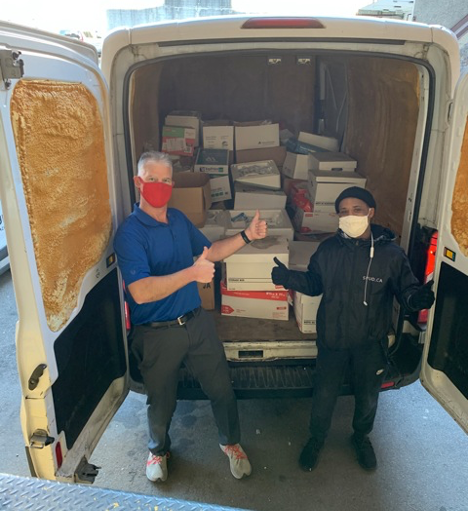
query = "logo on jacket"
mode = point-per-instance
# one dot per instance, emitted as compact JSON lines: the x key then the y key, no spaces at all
{"x":373,"y":279}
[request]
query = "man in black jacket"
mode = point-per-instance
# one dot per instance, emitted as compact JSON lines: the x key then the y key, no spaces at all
{"x":359,"y":270}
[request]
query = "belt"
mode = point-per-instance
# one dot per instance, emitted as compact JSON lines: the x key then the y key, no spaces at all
{"x":179,"y":321}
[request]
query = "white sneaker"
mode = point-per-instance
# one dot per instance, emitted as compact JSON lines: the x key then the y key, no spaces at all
{"x":156,"y":467}
{"x":238,"y":461}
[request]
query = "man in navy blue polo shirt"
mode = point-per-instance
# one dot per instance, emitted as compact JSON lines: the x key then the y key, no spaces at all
{"x":155,"y":247}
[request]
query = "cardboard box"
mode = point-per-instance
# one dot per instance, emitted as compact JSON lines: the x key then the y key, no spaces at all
{"x":288,"y":183}
{"x":177,"y":140}
{"x":186,"y":118}
{"x":330,"y":161}
{"x":255,"y":304}
{"x":256,"y":135}
{"x":277,"y":154}
{"x":247,"y":198}
{"x":296,"y":166}
{"x":328,"y":143}
{"x":220,"y":188}
{"x":250,"y":267}
{"x":302,"y":148}
{"x":305,"y":311}
{"x":213,"y":161}
{"x":315,"y":222}
{"x":192,"y":195}
{"x":263,"y":174}
{"x":279,"y":223}
{"x":215,"y":225}
{"x":325,"y":186}
{"x":218,"y":136}
{"x":300,"y":254}
{"x":207,"y":294}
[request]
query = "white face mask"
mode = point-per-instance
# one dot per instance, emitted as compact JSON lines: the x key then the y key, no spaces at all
{"x":354,"y":225}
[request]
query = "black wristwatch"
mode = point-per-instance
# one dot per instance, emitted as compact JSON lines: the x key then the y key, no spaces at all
{"x":245,"y":237}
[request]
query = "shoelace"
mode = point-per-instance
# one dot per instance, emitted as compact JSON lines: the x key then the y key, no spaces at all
{"x":156,"y":459}
{"x":234,"y":451}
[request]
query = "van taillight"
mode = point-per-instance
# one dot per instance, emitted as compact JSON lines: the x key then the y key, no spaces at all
{"x":58,"y":454}
{"x":283,"y":23}
{"x":386,"y":385}
{"x":128,"y":323}
{"x":429,"y":271}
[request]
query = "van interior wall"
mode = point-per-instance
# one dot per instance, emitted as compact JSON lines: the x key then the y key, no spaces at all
{"x":383,"y":106}
{"x":236,"y":87}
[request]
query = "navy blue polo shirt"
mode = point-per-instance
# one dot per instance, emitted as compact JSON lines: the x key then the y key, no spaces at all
{"x":146,"y":247}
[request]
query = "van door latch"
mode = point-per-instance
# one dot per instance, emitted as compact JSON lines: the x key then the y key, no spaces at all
{"x":86,"y":473}
{"x":40,"y":439}
{"x":11,"y":66}
{"x":35,"y":376}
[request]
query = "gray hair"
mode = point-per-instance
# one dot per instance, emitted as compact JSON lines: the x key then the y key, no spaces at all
{"x":154,"y":156}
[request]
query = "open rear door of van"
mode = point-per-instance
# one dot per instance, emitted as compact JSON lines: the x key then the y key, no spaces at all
{"x":445,"y":361}
{"x":58,"y":198}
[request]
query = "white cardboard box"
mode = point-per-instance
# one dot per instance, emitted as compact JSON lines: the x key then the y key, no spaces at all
{"x":187,"y":118}
{"x":271,"y":305}
{"x":254,"y":136}
{"x":305,"y":311}
{"x":330,"y":161}
{"x":328,"y":143}
{"x":315,"y":222}
{"x":246,"y":197}
{"x":264,"y":174}
{"x":178,"y":140}
{"x":250,"y":267}
{"x":296,"y":166}
{"x":213,"y":161}
{"x":325,"y":186}
{"x":300,"y":254}
{"x":279,"y":223}
{"x":218,"y":137}
{"x":215,"y":225}
{"x":220,"y":188}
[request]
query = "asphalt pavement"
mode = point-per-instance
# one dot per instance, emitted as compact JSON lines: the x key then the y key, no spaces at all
{"x":422,"y":453}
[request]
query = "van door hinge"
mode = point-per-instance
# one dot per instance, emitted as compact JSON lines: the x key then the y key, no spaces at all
{"x":35,"y":376}
{"x":85,"y":472}
{"x":40,"y":439}
{"x":11,"y":66}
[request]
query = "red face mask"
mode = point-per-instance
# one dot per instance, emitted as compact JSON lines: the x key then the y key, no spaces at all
{"x":157,"y":194}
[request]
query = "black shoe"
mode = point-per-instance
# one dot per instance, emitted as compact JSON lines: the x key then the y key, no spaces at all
{"x":364,"y":452}
{"x":310,"y":454}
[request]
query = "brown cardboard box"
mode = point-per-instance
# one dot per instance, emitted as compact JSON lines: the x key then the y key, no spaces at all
{"x":207,"y":294}
{"x":277,"y":154}
{"x":192,"y":195}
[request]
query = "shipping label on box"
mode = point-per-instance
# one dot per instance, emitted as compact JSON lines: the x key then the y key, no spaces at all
{"x":178,"y":140}
{"x":207,"y":294}
{"x":213,"y":161}
{"x":305,"y":311}
{"x":254,"y":136}
{"x":247,"y":198}
{"x":220,"y":188}
{"x":250,"y":267}
{"x":315,"y":222}
{"x":325,"y":186}
{"x":269,"y":305}
{"x":328,"y":143}
{"x":331,"y":161}
{"x":296,"y":166}
{"x":259,"y":174}
{"x":218,"y":137}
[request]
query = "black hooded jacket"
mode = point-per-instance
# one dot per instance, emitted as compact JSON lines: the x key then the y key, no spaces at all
{"x":339,"y":270}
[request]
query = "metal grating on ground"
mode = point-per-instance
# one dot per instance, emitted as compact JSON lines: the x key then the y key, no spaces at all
{"x":20,"y":493}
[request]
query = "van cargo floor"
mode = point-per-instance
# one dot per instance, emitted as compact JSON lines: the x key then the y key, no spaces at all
{"x":255,"y":329}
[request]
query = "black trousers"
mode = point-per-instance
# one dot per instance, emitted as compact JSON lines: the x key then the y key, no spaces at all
{"x":368,"y":366}
{"x":160,"y":353}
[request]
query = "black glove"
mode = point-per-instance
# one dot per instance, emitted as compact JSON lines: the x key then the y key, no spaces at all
{"x":422,"y":298}
{"x":280,"y":274}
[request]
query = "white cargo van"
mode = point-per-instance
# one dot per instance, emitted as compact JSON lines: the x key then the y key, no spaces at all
{"x":69,"y":140}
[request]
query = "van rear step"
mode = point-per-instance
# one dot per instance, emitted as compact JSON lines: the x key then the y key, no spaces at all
{"x":287,"y":381}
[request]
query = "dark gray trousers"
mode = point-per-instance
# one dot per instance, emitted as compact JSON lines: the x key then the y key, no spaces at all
{"x":160,"y":353}
{"x":366,"y":365}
